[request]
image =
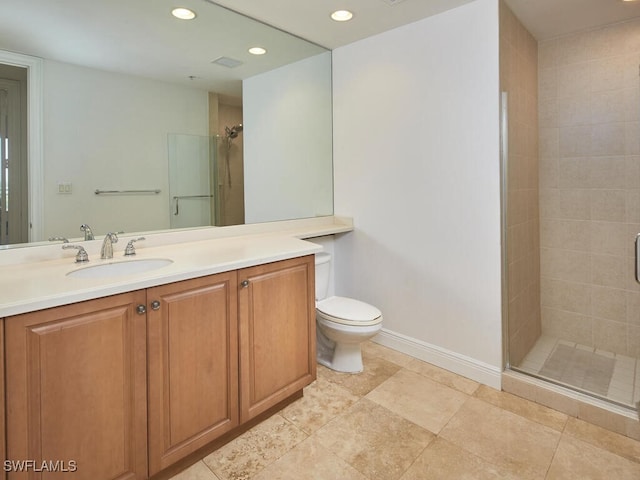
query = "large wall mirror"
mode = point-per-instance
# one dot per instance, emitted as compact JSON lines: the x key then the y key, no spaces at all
{"x":148,"y":122}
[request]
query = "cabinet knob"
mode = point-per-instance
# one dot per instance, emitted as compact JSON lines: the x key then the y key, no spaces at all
{"x":141,"y":309}
{"x":244,"y":284}
{"x":155,"y":305}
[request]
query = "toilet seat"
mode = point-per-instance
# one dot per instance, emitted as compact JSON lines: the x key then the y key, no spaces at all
{"x":348,"y":311}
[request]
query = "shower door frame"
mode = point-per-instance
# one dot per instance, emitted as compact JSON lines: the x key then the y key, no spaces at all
{"x":504,"y":165}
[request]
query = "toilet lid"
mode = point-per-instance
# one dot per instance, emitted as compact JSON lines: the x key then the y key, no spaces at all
{"x":348,"y":310}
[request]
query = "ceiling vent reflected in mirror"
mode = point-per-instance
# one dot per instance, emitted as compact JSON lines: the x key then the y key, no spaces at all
{"x":392,"y":2}
{"x":227,"y":62}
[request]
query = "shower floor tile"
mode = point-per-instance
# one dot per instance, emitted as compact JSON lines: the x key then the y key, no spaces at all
{"x":580,"y":367}
{"x":606,"y":374}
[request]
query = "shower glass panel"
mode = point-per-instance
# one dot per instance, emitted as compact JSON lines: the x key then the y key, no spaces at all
{"x":191,"y":177}
{"x":572,"y":301}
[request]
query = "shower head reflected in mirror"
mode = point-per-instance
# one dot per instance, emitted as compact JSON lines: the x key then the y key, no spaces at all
{"x":229,"y":134}
{"x":232,"y":132}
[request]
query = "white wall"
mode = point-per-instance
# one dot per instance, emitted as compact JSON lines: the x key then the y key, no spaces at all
{"x":109,"y":131}
{"x":287,"y":142}
{"x":416,"y":159}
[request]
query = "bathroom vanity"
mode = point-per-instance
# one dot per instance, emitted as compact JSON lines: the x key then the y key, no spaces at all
{"x":122,"y":378}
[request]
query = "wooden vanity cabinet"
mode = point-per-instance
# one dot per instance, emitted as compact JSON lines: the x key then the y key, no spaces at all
{"x":76,"y":389}
{"x":122,"y":387}
{"x":193,"y":365}
{"x":276,"y":304}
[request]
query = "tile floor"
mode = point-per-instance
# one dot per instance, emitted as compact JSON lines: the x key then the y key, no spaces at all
{"x":622,"y":385}
{"x":405,"y":419}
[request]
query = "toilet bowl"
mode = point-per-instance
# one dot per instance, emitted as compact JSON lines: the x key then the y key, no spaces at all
{"x":342,"y":324}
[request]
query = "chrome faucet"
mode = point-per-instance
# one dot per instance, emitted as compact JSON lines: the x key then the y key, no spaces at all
{"x":88,"y":233}
{"x":107,"y":245}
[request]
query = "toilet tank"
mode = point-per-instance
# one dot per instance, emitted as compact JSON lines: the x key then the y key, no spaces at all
{"x":323,"y":268}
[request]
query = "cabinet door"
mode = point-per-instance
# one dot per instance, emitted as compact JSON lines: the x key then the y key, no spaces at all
{"x":193,"y":365}
{"x":76,"y":389}
{"x":277,"y":332}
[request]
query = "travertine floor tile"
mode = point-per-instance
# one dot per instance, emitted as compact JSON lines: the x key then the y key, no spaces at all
{"x":444,"y":460}
{"x":503,"y":438}
{"x":605,"y":439}
{"x":419,"y":399}
{"x":443,"y":376}
{"x":525,"y":408}
{"x":197,"y":471}
{"x":376,"y":371}
{"x":311,"y":461}
{"x":248,"y":454}
{"x":322,"y":401}
{"x":375,"y":441}
{"x":577,"y":459}
{"x":378,"y":425}
{"x":371,"y":349}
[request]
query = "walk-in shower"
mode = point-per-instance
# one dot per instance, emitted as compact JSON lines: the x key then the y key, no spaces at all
{"x":571,"y":207}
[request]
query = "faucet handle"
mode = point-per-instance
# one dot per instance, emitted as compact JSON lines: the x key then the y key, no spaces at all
{"x":81,"y":256}
{"x":130,"y":249}
{"x":61,"y":239}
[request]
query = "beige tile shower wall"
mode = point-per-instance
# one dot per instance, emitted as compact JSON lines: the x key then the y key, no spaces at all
{"x":589,"y":109}
{"x":518,"y":77}
{"x":231,"y":172}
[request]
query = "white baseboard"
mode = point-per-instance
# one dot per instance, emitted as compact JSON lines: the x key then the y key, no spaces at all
{"x":462,"y":365}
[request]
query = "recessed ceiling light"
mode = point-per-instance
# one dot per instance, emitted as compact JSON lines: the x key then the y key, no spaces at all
{"x":257,"y":51}
{"x":342,"y":15}
{"x":183,"y":13}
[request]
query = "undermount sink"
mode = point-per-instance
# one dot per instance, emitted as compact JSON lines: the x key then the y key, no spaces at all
{"x":116,"y":269}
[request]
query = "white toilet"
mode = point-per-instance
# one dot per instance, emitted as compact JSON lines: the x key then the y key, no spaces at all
{"x":342,"y":324}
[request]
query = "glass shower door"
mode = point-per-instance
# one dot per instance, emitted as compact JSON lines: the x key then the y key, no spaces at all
{"x":581,"y":328}
{"x":191,"y":181}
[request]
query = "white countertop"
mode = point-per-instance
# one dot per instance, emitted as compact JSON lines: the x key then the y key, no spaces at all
{"x":35,"y":278}
{"x":34,"y":286}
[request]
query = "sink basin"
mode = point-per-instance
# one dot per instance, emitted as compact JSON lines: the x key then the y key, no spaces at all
{"x":116,"y":269}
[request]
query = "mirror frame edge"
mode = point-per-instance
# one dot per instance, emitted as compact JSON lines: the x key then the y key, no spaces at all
{"x":35,"y":109}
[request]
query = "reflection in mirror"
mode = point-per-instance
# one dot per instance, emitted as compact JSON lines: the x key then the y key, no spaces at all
{"x":156,"y":123}
{"x":13,"y":146}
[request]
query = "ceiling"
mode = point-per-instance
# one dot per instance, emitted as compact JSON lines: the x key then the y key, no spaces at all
{"x":310,"y":19}
{"x":139,"y":37}
{"x":546,"y":19}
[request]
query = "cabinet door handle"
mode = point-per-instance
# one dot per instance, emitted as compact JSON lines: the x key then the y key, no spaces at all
{"x":244,"y":284}
{"x":141,"y":309}
{"x":155,"y":305}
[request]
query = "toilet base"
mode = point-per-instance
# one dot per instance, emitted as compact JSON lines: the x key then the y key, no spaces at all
{"x":341,"y":357}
